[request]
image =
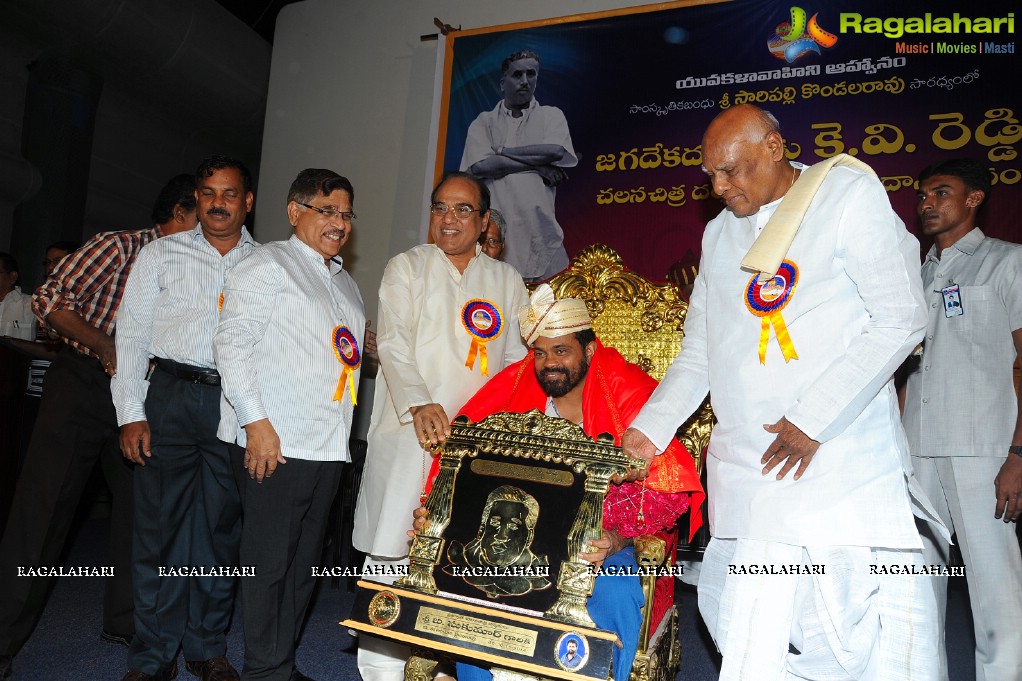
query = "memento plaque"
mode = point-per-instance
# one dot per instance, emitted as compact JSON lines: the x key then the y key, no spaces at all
{"x":494,"y":572}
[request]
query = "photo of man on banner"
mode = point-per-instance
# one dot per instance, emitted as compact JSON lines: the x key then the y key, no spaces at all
{"x":840,"y":81}
{"x":520,"y":149}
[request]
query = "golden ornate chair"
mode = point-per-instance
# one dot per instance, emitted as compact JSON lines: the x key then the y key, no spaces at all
{"x":644,"y":322}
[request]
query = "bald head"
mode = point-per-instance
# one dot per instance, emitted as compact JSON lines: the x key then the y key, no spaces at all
{"x":744,"y":121}
{"x":743,"y":153}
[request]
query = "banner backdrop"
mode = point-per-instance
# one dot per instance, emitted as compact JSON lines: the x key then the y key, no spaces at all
{"x":899,"y":85}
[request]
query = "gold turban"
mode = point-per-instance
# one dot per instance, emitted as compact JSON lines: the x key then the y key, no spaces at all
{"x":545,"y":316}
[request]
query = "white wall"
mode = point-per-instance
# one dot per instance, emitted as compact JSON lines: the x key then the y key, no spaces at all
{"x":351,"y":89}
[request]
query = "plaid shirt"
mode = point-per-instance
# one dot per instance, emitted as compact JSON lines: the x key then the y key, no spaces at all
{"x":91,"y":280}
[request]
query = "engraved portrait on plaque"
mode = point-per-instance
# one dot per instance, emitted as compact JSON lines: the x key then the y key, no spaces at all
{"x":499,"y":561}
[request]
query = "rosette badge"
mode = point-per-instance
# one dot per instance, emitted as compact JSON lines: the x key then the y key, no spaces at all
{"x":350,"y":356}
{"x":765,"y":297}
{"x":483,"y":322}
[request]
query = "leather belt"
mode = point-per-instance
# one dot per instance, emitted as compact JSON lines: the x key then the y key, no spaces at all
{"x":186,"y":372}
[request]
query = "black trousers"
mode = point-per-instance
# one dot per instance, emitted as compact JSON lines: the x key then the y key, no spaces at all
{"x":76,"y":427}
{"x":285,"y":519}
{"x":187,"y":518}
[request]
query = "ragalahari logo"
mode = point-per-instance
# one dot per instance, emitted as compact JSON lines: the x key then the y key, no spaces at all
{"x":793,"y":41}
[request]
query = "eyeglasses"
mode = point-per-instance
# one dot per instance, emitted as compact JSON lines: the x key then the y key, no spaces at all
{"x":462,"y":211}
{"x":492,"y":242}
{"x":332,"y":213}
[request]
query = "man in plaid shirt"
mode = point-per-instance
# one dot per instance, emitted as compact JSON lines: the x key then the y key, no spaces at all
{"x":77,"y":427}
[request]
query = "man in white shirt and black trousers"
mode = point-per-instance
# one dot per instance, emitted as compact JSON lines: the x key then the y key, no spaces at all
{"x":187,"y":510}
{"x":289,"y":348}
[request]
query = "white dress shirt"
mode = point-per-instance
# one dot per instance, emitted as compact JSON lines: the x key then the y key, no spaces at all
{"x":170,"y":309}
{"x":274,"y":349}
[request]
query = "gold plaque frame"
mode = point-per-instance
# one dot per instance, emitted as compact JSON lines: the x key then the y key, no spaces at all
{"x":538,"y":437}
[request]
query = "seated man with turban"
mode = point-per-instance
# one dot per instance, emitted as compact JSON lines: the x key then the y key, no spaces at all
{"x":568,"y":373}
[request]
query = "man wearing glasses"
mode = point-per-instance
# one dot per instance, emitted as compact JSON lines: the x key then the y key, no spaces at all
{"x":289,"y":348}
{"x":443,"y":331}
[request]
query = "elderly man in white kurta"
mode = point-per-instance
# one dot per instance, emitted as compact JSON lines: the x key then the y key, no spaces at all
{"x":798,"y":356}
{"x":444,"y":329}
{"x":521,"y":147}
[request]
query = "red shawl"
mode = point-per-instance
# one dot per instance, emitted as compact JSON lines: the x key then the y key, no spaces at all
{"x":615,"y":390}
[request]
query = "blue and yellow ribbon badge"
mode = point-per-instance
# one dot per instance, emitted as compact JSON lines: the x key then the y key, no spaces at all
{"x":766,"y":299}
{"x":346,"y":349}
{"x":483,"y":321}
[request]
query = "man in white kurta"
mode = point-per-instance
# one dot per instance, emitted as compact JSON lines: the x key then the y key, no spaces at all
{"x":799,"y":371}
{"x":446,"y":324}
{"x":520,"y":148}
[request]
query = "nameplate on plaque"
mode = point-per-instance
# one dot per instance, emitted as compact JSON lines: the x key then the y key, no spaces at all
{"x":496,"y":635}
{"x":549,"y":476}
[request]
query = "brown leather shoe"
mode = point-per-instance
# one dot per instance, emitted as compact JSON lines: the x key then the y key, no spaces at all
{"x":215,"y":669}
{"x":166,"y":675}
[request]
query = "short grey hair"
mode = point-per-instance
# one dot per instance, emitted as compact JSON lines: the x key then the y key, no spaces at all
{"x":497,"y":218}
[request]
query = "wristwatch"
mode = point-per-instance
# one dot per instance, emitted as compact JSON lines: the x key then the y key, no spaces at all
{"x":1015,"y":449}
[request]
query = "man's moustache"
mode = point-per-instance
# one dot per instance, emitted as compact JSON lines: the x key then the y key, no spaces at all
{"x":218,"y":211}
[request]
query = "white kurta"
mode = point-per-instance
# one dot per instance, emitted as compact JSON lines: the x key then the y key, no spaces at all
{"x":854,"y":315}
{"x":534,"y":242}
{"x":423,"y":348}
